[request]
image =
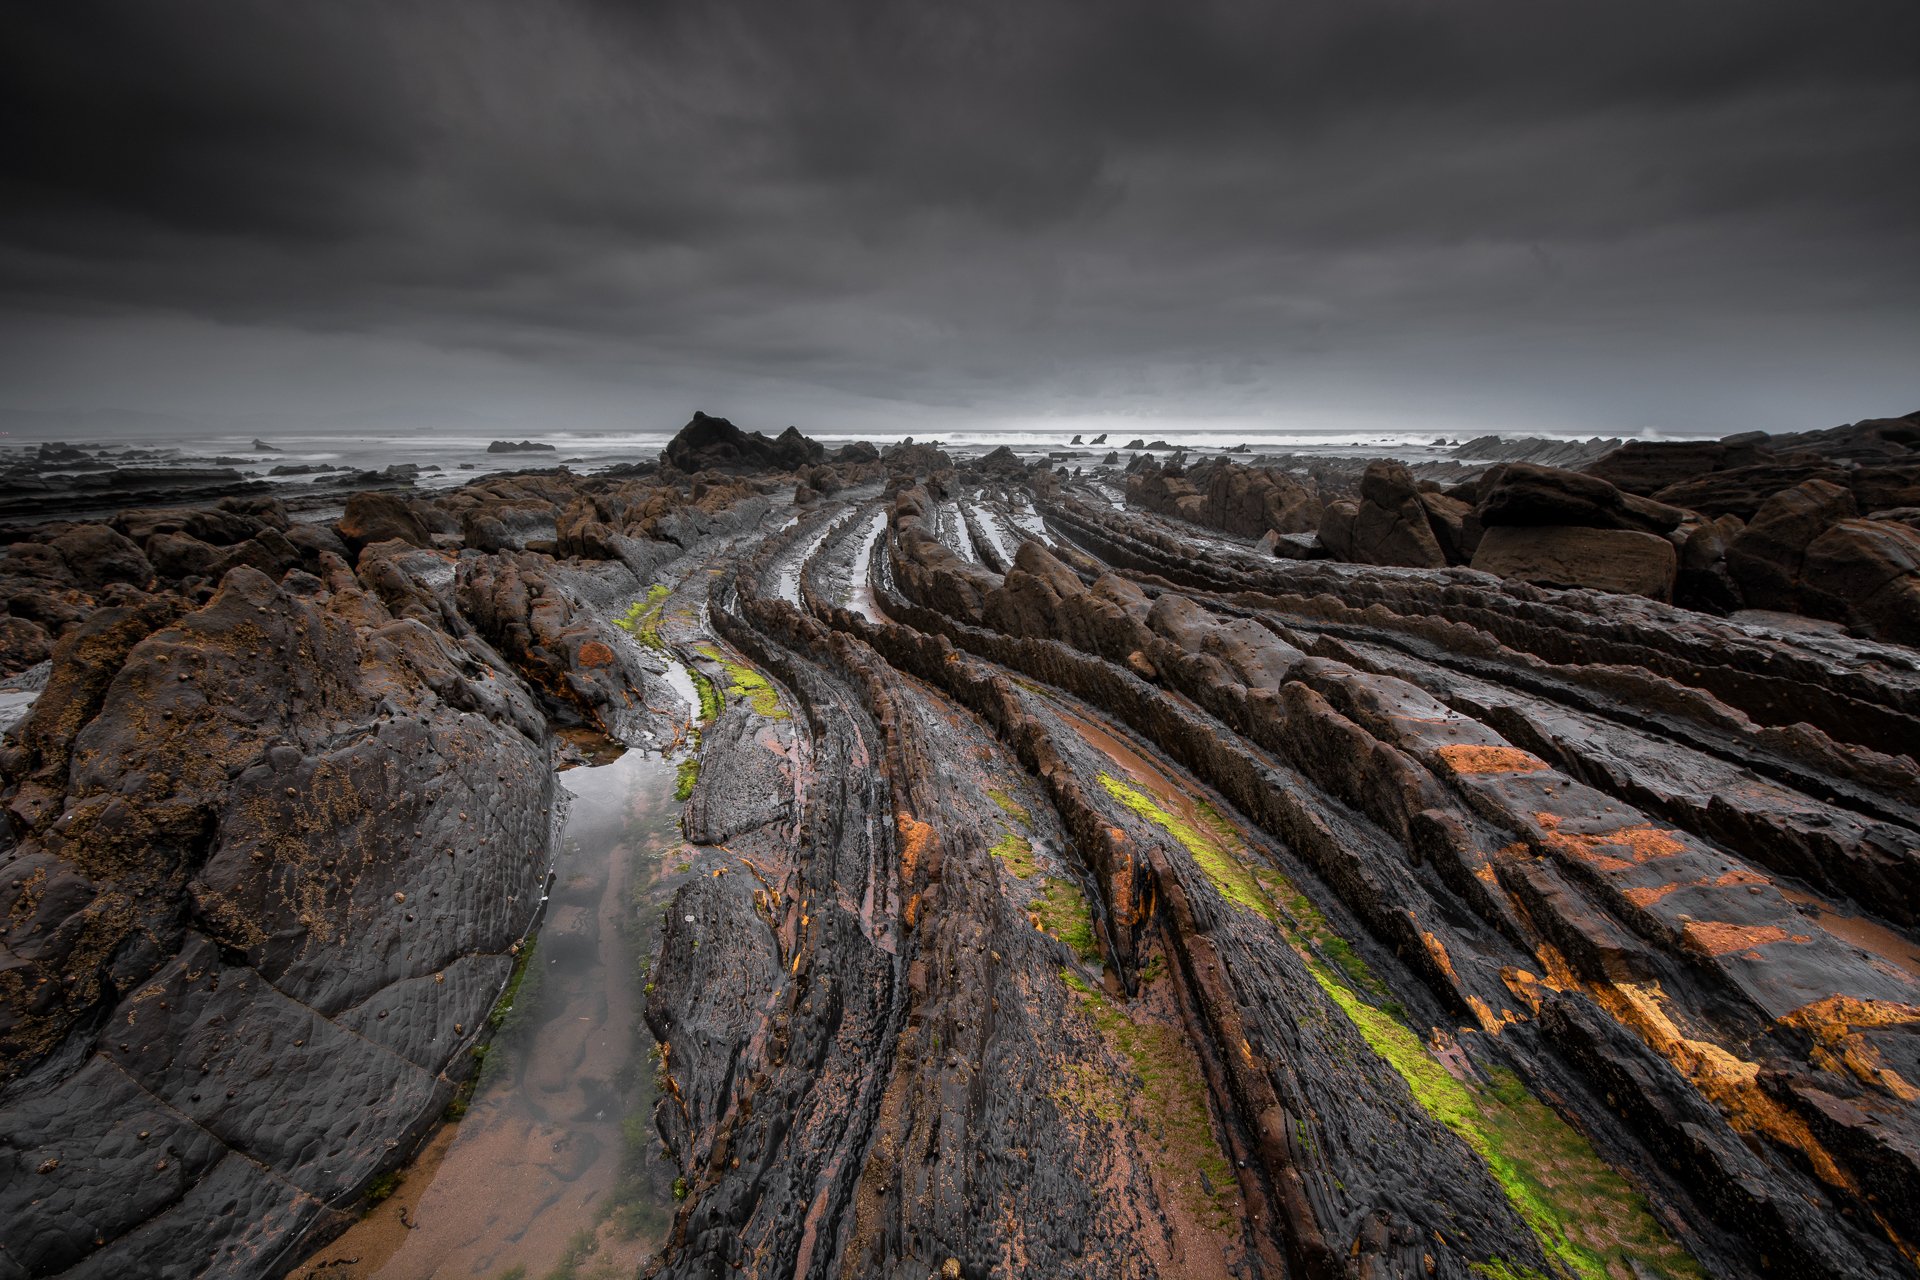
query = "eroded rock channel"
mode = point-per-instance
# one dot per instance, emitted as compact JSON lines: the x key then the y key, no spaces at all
{"x":1058,"y":889}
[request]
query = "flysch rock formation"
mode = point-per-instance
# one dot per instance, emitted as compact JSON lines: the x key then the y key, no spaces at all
{"x":1087,"y":882}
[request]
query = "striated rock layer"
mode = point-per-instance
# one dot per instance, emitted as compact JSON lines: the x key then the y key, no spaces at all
{"x":1073,"y":893}
{"x":1225,"y":915}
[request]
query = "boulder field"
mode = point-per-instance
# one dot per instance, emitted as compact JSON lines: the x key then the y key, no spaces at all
{"x":1077,"y":886}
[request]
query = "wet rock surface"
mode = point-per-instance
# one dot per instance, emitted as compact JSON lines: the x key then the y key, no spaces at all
{"x":1076,"y":888}
{"x":279,"y":815}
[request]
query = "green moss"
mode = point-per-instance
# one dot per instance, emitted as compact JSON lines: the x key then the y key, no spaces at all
{"x":1011,"y":807}
{"x":643,"y":617}
{"x":1062,"y":909}
{"x":679,"y":1188}
{"x":1502,"y":1269}
{"x":1170,"y":1108}
{"x":744,"y":682}
{"x":1215,"y":845}
{"x":502,"y":1015}
{"x":1589,"y":1219}
{"x":383,"y":1187}
{"x":1016,"y":854}
{"x":708,"y":694}
{"x":685,"y":776}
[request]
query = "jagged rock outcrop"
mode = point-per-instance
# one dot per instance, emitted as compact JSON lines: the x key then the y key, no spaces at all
{"x":715,"y":444}
{"x":1247,"y":502}
{"x":1389,"y":525}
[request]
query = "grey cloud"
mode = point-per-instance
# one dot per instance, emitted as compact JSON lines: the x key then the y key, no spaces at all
{"x":967,"y":207}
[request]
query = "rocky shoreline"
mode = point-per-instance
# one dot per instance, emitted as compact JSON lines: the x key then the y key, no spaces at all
{"x":1213,"y":870}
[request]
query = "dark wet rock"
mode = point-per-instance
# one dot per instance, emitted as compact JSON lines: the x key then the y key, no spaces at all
{"x":1523,"y":494}
{"x":1741,"y":491}
{"x":181,"y":555}
{"x":261,"y":446}
{"x":715,"y":444}
{"x":1646,"y":467}
{"x":1389,"y":525}
{"x":1536,"y":449}
{"x":1704,"y":580}
{"x":746,"y":784}
{"x":1620,"y":560}
{"x":1866,"y":573}
{"x":857,"y":451}
{"x":585,"y":670}
{"x":1768,"y":557}
{"x":1002,"y":462}
{"x":312,"y":539}
{"x":524,"y":446}
{"x":96,"y":556}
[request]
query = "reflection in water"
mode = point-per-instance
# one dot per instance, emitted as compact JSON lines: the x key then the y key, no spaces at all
{"x":555,"y":1166}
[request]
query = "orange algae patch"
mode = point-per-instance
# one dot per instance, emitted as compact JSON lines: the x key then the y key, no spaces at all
{"x":1718,"y":938}
{"x":1832,"y":1021}
{"x":595,"y":654}
{"x":1611,"y":850}
{"x":916,"y":838}
{"x":1728,"y":1081}
{"x":1465,"y":758}
{"x":1646,"y":897}
{"x":1438,"y":951}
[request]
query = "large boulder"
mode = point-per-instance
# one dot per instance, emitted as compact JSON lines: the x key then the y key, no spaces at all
{"x":1389,"y":524}
{"x":1768,"y":558}
{"x":377,"y":517}
{"x":1704,"y":581}
{"x":97,"y":555}
{"x":1619,"y":560}
{"x":1248,"y":502}
{"x":23,"y":643}
{"x":1866,"y":573}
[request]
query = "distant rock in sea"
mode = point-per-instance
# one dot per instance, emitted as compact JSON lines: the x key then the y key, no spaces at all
{"x":524,"y":446}
{"x":715,"y":444}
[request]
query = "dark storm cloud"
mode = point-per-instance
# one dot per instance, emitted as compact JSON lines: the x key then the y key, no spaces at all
{"x":1608,"y":214}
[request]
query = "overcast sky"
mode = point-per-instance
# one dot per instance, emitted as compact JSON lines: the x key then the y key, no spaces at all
{"x":893,"y":216}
